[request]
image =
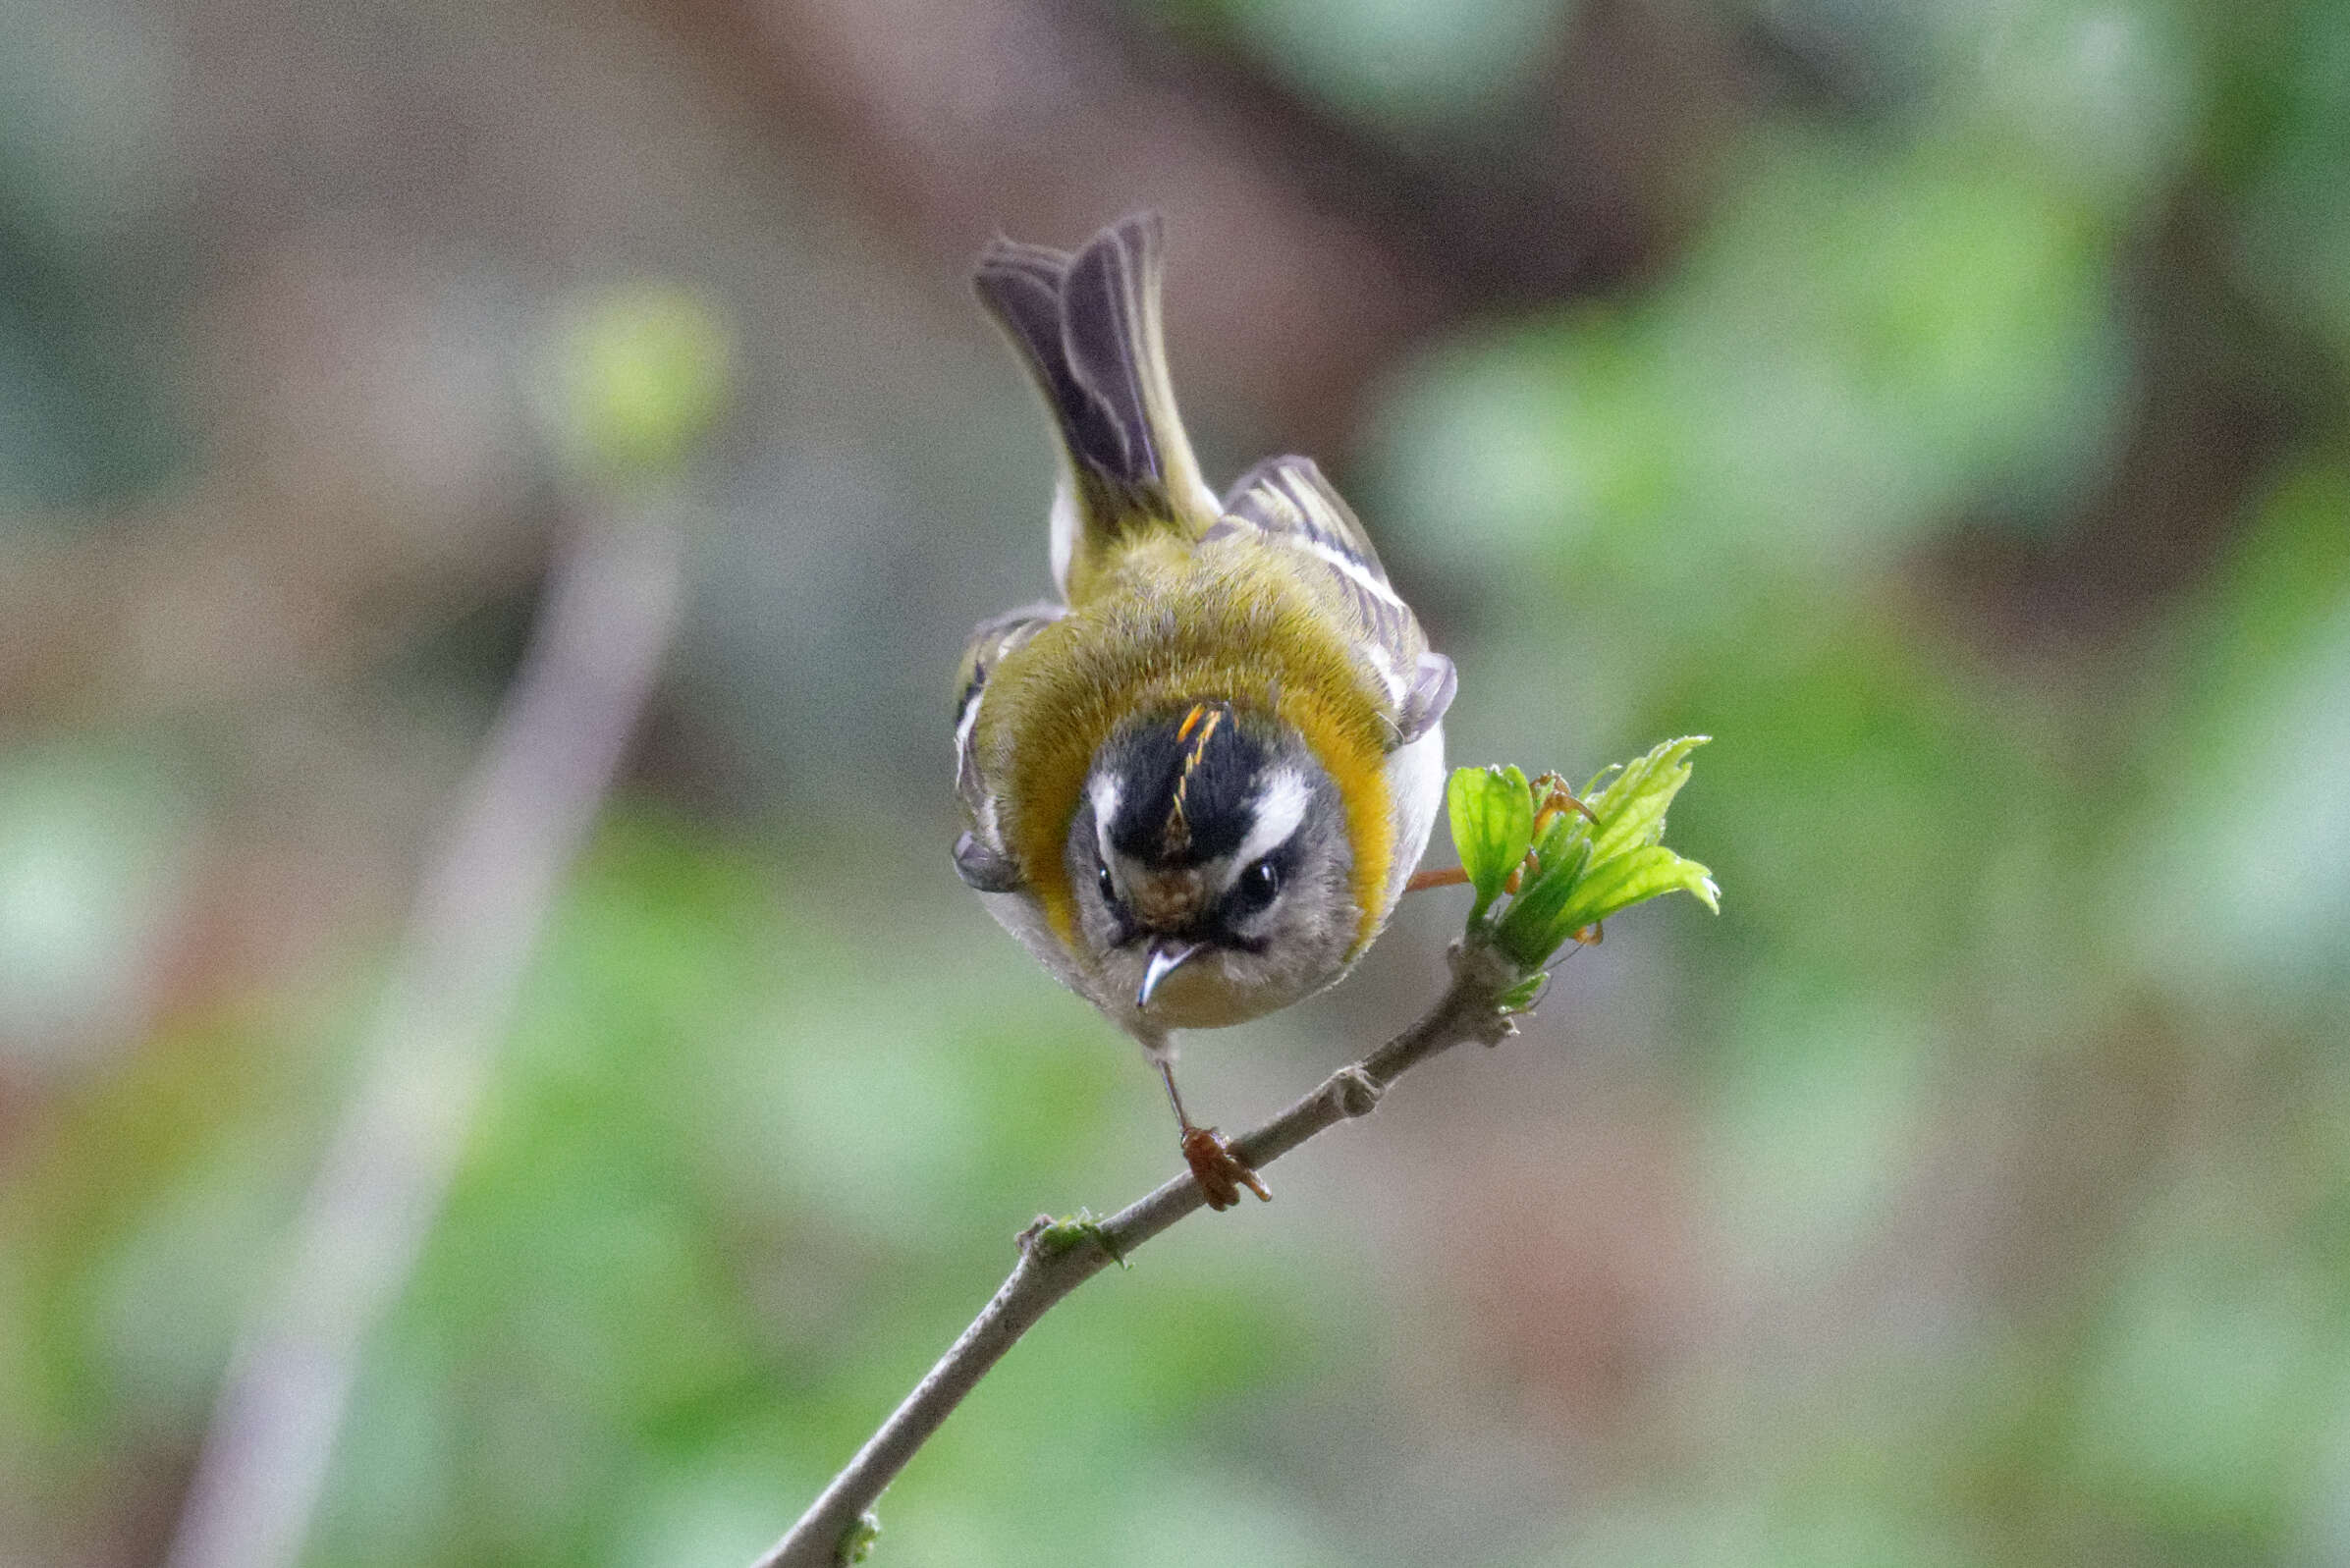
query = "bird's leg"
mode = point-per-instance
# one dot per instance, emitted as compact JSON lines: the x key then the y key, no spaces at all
{"x":1220,"y":1172}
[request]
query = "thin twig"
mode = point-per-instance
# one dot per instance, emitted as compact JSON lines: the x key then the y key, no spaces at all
{"x":1056,"y":1258}
{"x":611,"y":601}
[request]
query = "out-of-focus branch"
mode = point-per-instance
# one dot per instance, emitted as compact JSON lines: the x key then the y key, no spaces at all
{"x":1056,"y":1258}
{"x":610,"y":602}
{"x":638,"y":380}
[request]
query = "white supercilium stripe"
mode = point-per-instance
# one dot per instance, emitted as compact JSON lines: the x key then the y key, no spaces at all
{"x":1279,"y":806}
{"x":1106,"y":793}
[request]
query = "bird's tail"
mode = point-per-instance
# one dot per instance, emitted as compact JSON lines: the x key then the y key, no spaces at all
{"x":1087,"y":325}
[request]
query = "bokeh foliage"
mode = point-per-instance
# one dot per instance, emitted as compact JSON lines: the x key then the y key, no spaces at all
{"x":1987,"y":1164}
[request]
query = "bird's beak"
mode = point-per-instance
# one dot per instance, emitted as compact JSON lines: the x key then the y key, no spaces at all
{"x":1166,"y":958}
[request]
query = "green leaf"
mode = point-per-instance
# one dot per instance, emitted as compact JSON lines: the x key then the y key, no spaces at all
{"x":857,"y":1544}
{"x":1566,"y":843}
{"x":1076,"y":1231}
{"x":1493,"y":822}
{"x":1523,"y":997}
{"x":1648,"y":872}
{"x":1547,"y":916}
{"x":1585,"y":871}
{"x":1581,"y":871}
{"x":1631,"y":806}
{"x":1531,"y":928}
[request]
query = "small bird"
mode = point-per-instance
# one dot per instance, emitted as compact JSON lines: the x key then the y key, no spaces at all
{"x":1195,"y":785}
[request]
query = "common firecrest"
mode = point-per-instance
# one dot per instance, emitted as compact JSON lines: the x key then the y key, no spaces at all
{"x":1195,"y":785}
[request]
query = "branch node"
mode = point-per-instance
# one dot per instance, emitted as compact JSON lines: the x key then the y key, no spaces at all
{"x":1489,"y":1025}
{"x":1049,"y":1238}
{"x":1353,"y":1091}
{"x":856,"y":1543}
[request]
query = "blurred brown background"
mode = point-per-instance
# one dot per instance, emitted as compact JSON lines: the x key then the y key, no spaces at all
{"x":1938,"y":403}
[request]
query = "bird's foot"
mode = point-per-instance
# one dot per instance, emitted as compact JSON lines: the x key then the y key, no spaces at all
{"x":1220,"y":1172}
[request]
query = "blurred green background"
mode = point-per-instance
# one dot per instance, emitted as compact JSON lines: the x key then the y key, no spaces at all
{"x":1940,"y":403}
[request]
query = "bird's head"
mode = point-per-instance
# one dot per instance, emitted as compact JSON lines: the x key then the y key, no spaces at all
{"x":1211,"y":866}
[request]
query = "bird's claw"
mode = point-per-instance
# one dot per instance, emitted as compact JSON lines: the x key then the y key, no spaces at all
{"x":1220,"y":1172}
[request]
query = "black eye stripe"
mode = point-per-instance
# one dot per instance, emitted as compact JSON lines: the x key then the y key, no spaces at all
{"x":1127,"y":931}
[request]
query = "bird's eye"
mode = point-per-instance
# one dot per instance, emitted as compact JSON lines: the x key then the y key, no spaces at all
{"x":1104,"y":881}
{"x":1258,"y":885}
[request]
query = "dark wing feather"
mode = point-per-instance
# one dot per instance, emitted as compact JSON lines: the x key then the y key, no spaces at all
{"x":1021,"y":286}
{"x":992,"y":641}
{"x":1286,"y":503}
{"x":1289,"y":498}
{"x":1108,"y":314}
{"x":1089,"y":328}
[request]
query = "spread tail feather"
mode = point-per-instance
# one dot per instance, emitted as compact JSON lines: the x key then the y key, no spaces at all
{"x":1089,"y":328}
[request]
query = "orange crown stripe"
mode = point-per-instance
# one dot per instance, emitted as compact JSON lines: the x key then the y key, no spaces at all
{"x":1178,"y":827}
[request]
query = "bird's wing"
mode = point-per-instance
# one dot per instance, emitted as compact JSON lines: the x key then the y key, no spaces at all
{"x":1286,"y":503}
{"x":992,"y":640}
